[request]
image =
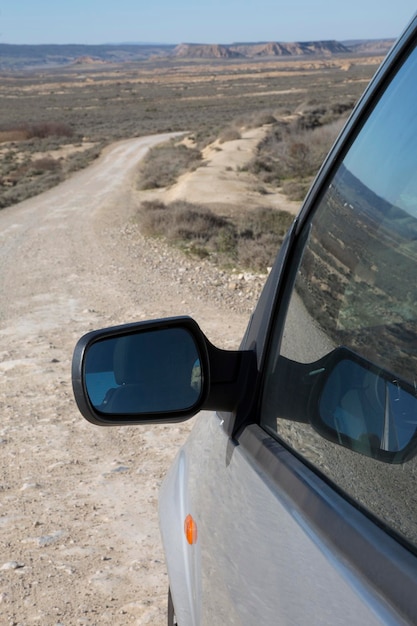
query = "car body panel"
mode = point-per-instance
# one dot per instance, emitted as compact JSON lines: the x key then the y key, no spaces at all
{"x":261,"y":554}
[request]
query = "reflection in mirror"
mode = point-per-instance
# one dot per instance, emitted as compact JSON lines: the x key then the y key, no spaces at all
{"x":144,"y":372}
{"x":366,"y":409}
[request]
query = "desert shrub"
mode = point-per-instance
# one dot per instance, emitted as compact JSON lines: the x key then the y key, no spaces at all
{"x":229,"y":134}
{"x":267,"y":163}
{"x":257,"y":254}
{"x":48,"y":129}
{"x":265,"y":118}
{"x":256,"y":119}
{"x":313,"y":115}
{"x":45,"y":164}
{"x":303,"y":151}
{"x":165,"y":163}
{"x":29,"y":187}
{"x":265,"y":220}
{"x":205,"y":136}
{"x":21,"y":178}
{"x":195,"y":229}
{"x":12,"y":135}
{"x":79,"y":160}
{"x":290,"y":155}
{"x":180,"y":221}
{"x":194,"y":222}
{"x":266,"y":168}
{"x":28,"y":169}
{"x":35,"y":130}
{"x":260,"y":235}
{"x":296,"y":189}
{"x":27,"y":178}
{"x":249,"y":242}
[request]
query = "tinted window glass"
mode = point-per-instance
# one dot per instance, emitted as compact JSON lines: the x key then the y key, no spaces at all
{"x":352,"y":411}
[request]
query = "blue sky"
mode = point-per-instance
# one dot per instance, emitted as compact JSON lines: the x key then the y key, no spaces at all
{"x":209,"y":21}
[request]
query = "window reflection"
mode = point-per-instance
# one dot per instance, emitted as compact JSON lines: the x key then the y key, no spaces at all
{"x":356,"y":287}
{"x":356,"y":277}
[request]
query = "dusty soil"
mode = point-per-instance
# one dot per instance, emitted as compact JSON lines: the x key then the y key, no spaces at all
{"x":78,"y":505}
{"x":223,"y":182}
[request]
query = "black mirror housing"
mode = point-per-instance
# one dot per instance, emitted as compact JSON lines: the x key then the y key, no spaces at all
{"x":152,"y":372}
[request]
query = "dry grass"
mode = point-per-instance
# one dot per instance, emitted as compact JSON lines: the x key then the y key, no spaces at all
{"x":163,"y":164}
{"x":292,"y":152}
{"x":39,"y":130}
{"x":24,"y":175}
{"x":249,"y":241}
{"x":12,"y":135}
{"x":229,"y":134}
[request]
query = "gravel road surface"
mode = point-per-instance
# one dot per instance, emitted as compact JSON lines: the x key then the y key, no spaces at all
{"x":78,"y":505}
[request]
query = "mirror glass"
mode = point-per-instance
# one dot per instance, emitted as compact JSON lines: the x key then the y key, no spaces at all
{"x":144,"y":372}
{"x":367,"y":410}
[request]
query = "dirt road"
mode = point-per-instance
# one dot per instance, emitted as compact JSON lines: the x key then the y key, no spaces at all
{"x":78,"y":504}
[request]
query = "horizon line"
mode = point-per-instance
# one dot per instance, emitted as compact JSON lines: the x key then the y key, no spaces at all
{"x":201,"y":43}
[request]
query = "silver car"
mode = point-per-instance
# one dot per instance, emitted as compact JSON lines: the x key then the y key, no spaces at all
{"x":294,"y":499}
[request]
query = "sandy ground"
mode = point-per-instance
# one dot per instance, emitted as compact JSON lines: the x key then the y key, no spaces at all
{"x":78,"y":504}
{"x":222,"y":181}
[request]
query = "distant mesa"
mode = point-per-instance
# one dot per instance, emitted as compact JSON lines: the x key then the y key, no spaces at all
{"x":87,"y":60}
{"x":251,"y":50}
{"x":204,"y":51}
{"x":15,"y":57}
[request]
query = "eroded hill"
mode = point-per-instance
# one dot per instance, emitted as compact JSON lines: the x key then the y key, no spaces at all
{"x":18,"y":57}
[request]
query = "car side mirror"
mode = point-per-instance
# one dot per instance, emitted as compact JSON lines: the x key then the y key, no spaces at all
{"x":152,"y":372}
{"x":362,"y":407}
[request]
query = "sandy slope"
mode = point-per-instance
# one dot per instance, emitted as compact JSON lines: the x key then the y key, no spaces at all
{"x":222,"y":181}
{"x":78,"y":504}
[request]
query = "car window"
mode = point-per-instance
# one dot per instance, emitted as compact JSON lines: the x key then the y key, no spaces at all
{"x":340,"y":386}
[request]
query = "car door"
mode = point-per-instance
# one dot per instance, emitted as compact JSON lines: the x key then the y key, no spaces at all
{"x":305,"y":498}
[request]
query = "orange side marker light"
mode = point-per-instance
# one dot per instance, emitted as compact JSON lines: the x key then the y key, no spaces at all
{"x":190,"y":530}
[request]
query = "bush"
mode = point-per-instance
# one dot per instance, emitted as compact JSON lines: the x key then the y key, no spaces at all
{"x":165,"y":163}
{"x":40,"y":130}
{"x":12,"y":135}
{"x":229,"y":134}
{"x":45,"y":164}
{"x":314,"y":115}
{"x":79,"y":160}
{"x":257,"y":254}
{"x":296,"y":189}
{"x":180,"y":221}
{"x":266,"y":220}
{"x":29,"y":187}
{"x":290,"y":155}
{"x":251,"y":242}
{"x":48,"y":129}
